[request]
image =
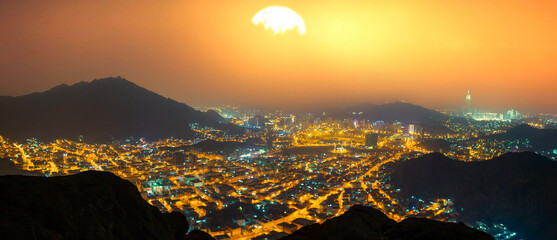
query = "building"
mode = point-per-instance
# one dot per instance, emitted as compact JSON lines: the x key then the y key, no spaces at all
{"x":288,"y":227}
{"x":513,"y":115}
{"x":412,"y":129}
{"x":468,"y":99}
{"x":468,"y":110}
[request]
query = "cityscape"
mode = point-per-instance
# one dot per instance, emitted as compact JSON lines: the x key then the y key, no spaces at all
{"x":268,"y":120}
{"x":233,"y":186}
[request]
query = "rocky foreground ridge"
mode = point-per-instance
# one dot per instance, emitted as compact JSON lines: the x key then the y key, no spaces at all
{"x":100,"y":205}
{"x":361,"y":222}
{"x":88,"y":205}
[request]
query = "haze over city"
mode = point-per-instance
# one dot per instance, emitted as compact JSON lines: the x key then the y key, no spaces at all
{"x":209,"y":53}
{"x":278,"y":120}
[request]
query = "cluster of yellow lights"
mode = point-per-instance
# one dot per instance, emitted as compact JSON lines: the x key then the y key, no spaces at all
{"x":280,"y":20}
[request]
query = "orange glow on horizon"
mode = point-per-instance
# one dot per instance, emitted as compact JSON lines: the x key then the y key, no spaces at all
{"x":209,"y":52}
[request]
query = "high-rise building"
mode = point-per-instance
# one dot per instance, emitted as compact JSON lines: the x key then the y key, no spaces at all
{"x":412,"y":129}
{"x":471,"y":112}
{"x":512,"y":115}
{"x":468,"y":109}
{"x":468,"y":99}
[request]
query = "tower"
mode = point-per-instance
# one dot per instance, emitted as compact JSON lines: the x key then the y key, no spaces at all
{"x":468,"y":109}
{"x":411,"y":129}
{"x":468,"y":99}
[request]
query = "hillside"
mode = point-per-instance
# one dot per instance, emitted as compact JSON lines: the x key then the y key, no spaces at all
{"x":100,"y":110}
{"x":391,"y":112}
{"x":540,"y":139}
{"x":516,"y":189}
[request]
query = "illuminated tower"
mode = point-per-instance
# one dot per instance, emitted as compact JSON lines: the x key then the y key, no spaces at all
{"x":411,"y":129}
{"x":468,"y":110}
{"x":468,"y":99}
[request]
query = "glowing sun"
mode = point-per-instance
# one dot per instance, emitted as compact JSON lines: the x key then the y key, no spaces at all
{"x":280,"y":20}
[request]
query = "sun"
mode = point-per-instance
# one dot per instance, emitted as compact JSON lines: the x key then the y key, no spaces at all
{"x":280,"y":20}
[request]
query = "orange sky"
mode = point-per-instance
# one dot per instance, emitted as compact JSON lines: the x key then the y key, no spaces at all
{"x":209,"y":52}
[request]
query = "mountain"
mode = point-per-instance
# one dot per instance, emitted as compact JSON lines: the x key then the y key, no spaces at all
{"x":391,"y":112}
{"x":88,"y":205}
{"x":99,"y":110}
{"x":515,"y":189}
{"x":540,"y":139}
{"x":361,"y":222}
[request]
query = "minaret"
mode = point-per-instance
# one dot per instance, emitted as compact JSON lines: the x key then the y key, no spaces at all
{"x":468,"y":99}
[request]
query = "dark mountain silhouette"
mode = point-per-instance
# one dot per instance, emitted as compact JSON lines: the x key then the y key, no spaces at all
{"x":100,"y":205}
{"x":99,"y":110}
{"x":540,"y":139}
{"x":88,"y":205}
{"x":361,"y":222}
{"x":391,"y":112}
{"x":516,"y":189}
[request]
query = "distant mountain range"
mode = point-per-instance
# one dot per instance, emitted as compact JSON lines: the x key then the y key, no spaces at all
{"x":100,"y":205}
{"x":515,"y":189}
{"x":391,"y":112}
{"x":540,"y":139}
{"x":100,"y":110}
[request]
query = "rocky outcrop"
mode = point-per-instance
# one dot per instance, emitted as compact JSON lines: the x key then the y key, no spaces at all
{"x":361,"y":222}
{"x":88,"y":205}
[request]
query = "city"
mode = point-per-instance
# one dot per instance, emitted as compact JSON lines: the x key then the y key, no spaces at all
{"x":233,"y":186}
{"x":278,"y":120}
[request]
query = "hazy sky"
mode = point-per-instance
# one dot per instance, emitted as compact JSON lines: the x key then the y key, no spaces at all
{"x":208,"y":52}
